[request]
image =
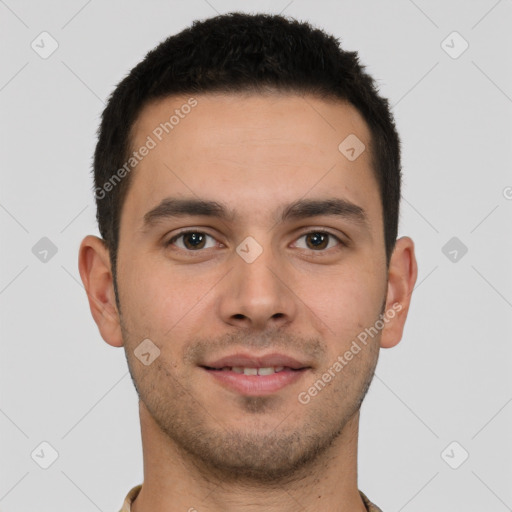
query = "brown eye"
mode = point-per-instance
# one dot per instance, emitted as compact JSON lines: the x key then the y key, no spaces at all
{"x":191,"y":240}
{"x":319,"y":240}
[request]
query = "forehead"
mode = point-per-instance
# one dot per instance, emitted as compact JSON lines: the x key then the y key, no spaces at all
{"x":276,"y":119}
{"x":250,"y":151}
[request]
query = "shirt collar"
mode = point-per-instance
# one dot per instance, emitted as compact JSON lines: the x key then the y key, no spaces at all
{"x":130,"y":498}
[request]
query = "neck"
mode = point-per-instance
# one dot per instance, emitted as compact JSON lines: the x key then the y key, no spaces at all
{"x":174,"y":481}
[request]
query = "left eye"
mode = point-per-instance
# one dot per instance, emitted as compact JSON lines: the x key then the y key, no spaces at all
{"x":316,"y":240}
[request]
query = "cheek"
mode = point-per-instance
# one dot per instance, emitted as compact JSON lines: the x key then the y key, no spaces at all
{"x":162,"y":301}
{"x":145,"y":295}
{"x":347,"y":302}
{"x":159,"y":304}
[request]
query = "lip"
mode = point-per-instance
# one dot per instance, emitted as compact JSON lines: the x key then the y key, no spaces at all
{"x":253,"y":361}
{"x":256,"y":385}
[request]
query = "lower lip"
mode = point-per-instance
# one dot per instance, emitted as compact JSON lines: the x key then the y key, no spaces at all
{"x":256,"y":385}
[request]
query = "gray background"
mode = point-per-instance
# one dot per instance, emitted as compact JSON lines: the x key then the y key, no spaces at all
{"x":449,"y":378}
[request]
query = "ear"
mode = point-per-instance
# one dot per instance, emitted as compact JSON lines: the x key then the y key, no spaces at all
{"x":95,"y":271}
{"x":402,"y":274}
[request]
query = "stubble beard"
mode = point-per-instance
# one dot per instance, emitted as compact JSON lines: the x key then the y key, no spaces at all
{"x":268,"y":454}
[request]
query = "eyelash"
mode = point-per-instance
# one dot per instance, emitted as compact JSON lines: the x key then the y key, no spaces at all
{"x":318,"y":231}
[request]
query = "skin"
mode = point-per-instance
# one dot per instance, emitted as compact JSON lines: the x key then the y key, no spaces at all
{"x":206,"y":447}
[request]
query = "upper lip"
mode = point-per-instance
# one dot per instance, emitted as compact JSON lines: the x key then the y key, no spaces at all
{"x":253,"y":361}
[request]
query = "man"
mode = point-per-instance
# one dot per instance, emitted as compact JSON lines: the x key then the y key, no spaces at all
{"x":247,"y":180}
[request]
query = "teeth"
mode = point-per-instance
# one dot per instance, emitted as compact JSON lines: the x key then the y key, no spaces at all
{"x":255,"y":371}
{"x":266,"y":371}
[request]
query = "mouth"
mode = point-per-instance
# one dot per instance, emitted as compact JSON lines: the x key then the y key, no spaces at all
{"x":256,"y":376}
{"x":245,"y":370}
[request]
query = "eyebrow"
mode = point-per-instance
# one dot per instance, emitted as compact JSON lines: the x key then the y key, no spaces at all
{"x":301,"y":209}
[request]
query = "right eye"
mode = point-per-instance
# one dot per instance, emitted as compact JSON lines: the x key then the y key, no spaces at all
{"x":192,"y":240}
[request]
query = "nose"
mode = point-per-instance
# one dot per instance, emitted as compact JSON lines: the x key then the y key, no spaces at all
{"x":258,"y":294}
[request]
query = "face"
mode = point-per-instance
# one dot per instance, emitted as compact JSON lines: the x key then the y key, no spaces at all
{"x":249,"y":243}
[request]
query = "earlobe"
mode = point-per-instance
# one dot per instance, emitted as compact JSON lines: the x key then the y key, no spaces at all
{"x":95,"y":271}
{"x":402,"y":275}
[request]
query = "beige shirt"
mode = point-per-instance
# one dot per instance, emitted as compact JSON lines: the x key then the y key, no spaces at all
{"x":127,"y":505}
